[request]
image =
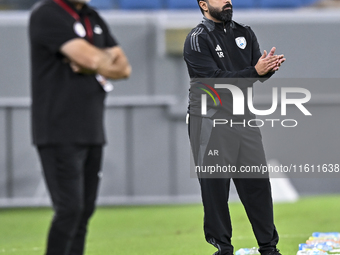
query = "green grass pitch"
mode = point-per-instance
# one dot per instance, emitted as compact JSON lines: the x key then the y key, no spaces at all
{"x":167,"y":230}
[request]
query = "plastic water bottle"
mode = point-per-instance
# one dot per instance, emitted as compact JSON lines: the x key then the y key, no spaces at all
{"x":321,"y":243}
{"x":324,"y":246}
{"x":334,"y":242}
{"x":311,"y":252}
{"x":326,"y":234}
{"x":246,"y":251}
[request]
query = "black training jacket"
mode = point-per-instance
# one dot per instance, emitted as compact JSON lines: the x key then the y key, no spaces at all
{"x":221,"y":50}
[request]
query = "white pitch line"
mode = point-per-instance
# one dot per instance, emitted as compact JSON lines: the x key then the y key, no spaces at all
{"x":20,"y":250}
{"x":295,"y":236}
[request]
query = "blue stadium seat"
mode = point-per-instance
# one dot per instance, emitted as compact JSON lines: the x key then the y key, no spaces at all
{"x":141,"y":4}
{"x":103,"y":4}
{"x":244,"y":3}
{"x":280,"y":3}
{"x":309,"y":2}
{"x":182,"y":4}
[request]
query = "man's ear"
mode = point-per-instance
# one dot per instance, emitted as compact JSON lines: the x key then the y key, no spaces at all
{"x":203,"y":5}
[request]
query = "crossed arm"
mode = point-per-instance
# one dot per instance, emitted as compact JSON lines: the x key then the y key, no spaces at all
{"x":85,"y":58}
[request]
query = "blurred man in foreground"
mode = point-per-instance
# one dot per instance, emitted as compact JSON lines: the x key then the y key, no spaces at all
{"x":72,"y":56}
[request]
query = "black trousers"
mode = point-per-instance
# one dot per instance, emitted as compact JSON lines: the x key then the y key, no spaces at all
{"x":71,"y":174}
{"x":235,"y":146}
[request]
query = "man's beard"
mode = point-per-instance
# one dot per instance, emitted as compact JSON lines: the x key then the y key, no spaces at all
{"x":224,"y":15}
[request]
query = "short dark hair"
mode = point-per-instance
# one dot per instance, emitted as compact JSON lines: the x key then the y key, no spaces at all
{"x":198,"y":2}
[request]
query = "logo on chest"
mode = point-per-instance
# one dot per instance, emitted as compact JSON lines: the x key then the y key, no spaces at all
{"x":219,"y":51}
{"x":79,"y":29}
{"x":241,"y":42}
{"x":97,"y":30}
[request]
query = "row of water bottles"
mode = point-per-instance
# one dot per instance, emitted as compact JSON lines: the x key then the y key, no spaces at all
{"x":246,"y":251}
{"x":320,"y":243}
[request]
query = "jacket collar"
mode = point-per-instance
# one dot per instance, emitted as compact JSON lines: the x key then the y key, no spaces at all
{"x":84,"y":11}
{"x":211,"y":25}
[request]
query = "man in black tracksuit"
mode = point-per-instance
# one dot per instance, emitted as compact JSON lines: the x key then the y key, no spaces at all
{"x":72,"y":52}
{"x":226,"y":52}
